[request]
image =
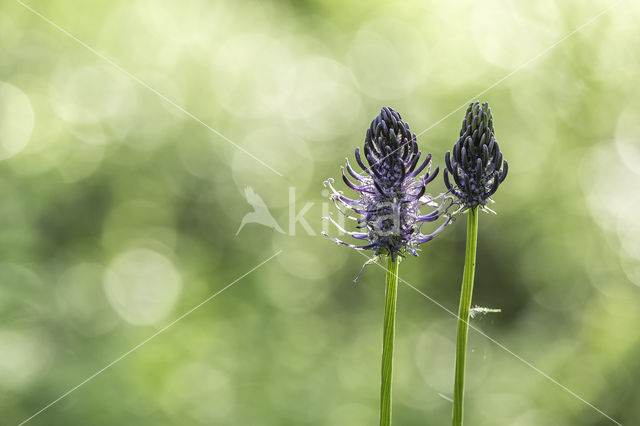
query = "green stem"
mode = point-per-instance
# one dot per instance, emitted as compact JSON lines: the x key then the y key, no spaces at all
{"x":391,"y":295}
{"x":463,"y":314}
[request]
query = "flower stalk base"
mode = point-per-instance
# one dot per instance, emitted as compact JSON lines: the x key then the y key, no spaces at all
{"x":463,"y":314}
{"x":391,"y":295}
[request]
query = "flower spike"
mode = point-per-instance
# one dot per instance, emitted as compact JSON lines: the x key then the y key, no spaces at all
{"x":476,"y":161}
{"x":390,"y":190}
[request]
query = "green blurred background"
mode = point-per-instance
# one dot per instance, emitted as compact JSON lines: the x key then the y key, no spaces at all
{"x":119,"y":212}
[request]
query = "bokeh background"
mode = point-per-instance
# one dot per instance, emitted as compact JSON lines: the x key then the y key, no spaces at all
{"x":119,"y":212}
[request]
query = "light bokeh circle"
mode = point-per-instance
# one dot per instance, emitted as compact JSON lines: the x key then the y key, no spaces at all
{"x":16,"y":120}
{"x":142,"y":286}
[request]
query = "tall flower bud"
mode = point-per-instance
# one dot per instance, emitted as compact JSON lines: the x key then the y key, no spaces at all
{"x":476,"y":164}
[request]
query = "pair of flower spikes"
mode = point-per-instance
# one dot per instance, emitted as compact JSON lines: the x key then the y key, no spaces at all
{"x":391,"y":193}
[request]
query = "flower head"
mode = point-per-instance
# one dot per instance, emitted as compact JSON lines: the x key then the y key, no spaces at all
{"x":390,"y":191}
{"x":476,"y":164}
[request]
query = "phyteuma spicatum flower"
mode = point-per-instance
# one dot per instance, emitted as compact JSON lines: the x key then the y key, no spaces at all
{"x":390,"y":191}
{"x":476,"y":162}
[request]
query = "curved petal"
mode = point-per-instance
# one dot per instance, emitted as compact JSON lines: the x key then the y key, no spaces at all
{"x":424,"y":164}
{"x":352,"y":172}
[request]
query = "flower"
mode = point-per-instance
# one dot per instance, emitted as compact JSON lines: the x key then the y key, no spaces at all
{"x":476,"y":165}
{"x":390,"y":191}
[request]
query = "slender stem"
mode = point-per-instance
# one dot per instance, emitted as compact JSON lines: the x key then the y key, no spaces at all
{"x":463,"y":314}
{"x":391,"y":295}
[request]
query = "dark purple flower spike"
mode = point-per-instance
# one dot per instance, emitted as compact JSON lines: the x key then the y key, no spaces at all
{"x":476,"y":163}
{"x":390,"y":191}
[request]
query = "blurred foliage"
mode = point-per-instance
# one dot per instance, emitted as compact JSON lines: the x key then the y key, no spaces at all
{"x":119,"y":211}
